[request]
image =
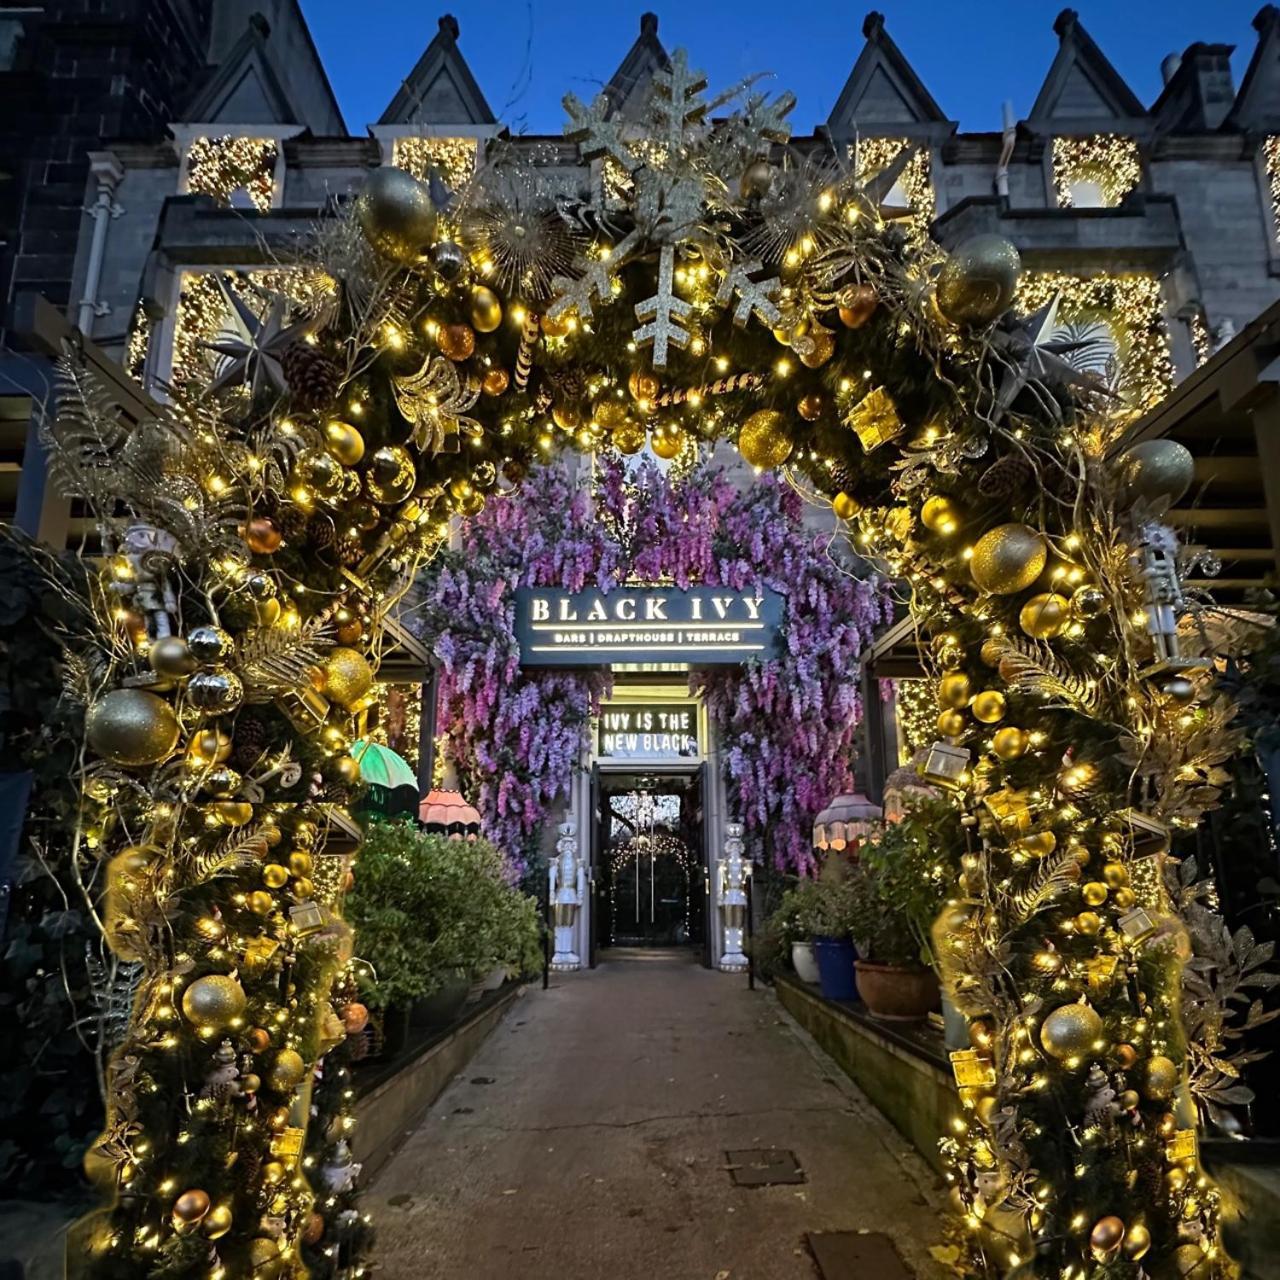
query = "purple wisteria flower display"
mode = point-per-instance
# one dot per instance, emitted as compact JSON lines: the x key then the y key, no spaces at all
{"x":785,"y":725}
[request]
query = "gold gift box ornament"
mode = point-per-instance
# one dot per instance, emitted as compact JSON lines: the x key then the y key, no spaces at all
{"x":1182,"y":1146}
{"x":972,"y":1070}
{"x":945,"y":765}
{"x":287,"y":1145}
{"x":874,"y":419}
{"x":1010,"y":810}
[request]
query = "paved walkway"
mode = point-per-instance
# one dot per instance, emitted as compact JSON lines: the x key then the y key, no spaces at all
{"x":587,"y":1141}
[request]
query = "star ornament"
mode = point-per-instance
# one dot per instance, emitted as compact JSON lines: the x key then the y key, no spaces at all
{"x":253,"y":344}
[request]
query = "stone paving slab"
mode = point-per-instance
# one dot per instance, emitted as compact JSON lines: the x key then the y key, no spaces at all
{"x":598,"y":1152}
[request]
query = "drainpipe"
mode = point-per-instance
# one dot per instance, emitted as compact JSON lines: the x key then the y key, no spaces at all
{"x":108,"y":170}
{"x":1006,"y":153}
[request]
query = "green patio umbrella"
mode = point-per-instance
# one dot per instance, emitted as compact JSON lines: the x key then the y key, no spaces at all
{"x":382,"y":767}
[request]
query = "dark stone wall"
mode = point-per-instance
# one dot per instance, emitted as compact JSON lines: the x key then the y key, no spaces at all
{"x":83,"y":74}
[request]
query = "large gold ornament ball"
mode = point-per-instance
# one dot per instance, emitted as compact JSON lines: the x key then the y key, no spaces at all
{"x":1137,"y":1242}
{"x":1089,"y":923}
{"x":989,"y":706}
{"x":261,"y":903}
{"x":978,"y":281}
{"x":213,"y":1001}
{"x":940,"y":515}
{"x":628,"y":438}
{"x":1038,"y":844}
{"x":457,"y":342}
{"x":131,"y":727}
{"x":395,"y":213}
{"x":666,"y":444}
{"x":1008,"y":559}
{"x":643,"y":385}
{"x":763,"y":440}
{"x":1044,"y":615}
{"x":347,"y":768}
{"x":1094,"y":893}
{"x":486,"y":310}
{"x":845,"y":505}
{"x":1010,"y":743}
{"x":347,"y":675}
{"x":950,"y":723}
{"x":610,"y":413}
{"x":275,"y":876}
{"x":1158,"y":1078}
{"x":1070,"y":1031}
{"x":819,"y":350}
{"x":1158,"y":472}
{"x":171,"y":658}
{"x":954,"y":690}
{"x":232,"y":813}
{"x":191,"y":1205}
{"x":217,"y":1222}
{"x":287,"y":1070}
{"x":391,"y":475}
{"x":216,"y":692}
{"x":343,"y":442}
{"x":262,"y":536}
{"x":1106,"y":1235}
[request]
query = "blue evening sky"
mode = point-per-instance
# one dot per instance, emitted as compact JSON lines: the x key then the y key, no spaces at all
{"x":527,"y":53}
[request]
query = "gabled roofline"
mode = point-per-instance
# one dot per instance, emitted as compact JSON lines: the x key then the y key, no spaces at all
{"x":1266,"y":22}
{"x":643,"y":54}
{"x":442,"y":51}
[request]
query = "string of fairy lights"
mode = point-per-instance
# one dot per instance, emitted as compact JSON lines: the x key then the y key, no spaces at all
{"x":223,"y":166}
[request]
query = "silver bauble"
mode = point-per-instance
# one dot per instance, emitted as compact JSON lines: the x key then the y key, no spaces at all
{"x":1157,"y":472}
{"x":448,"y":259}
{"x":396,"y":215}
{"x":216,"y":692}
{"x":978,"y":281}
{"x":210,"y":644}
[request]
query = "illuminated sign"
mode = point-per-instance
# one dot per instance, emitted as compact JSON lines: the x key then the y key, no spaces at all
{"x":703,"y":626}
{"x":648,"y":730}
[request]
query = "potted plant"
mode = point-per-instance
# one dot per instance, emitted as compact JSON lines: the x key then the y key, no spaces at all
{"x":825,"y":914}
{"x":792,"y":921}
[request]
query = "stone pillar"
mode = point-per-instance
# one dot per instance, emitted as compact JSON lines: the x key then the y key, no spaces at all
{"x":733,"y":872}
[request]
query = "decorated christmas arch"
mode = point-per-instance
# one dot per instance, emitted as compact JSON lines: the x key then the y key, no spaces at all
{"x":711,"y":284}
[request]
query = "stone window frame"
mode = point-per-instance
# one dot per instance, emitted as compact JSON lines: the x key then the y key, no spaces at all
{"x":386,"y":136}
{"x":184,"y":135}
{"x":1053,"y":197}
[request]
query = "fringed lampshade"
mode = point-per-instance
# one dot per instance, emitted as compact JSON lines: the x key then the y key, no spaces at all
{"x":448,"y":813}
{"x":845,"y":821}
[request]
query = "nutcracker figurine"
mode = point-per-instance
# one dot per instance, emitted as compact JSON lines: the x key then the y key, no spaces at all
{"x":568,"y":885}
{"x":734,"y":870}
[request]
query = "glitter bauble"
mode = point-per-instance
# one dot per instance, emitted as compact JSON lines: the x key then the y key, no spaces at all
{"x":286,"y":1071}
{"x":1070,"y":1031}
{"x":643,"y":385}
{"x":810,"y":406}
{"x":1157,"y":472}
{"x":215,"y":692}
{"x":1007,"y":559}
{"x":495,"y":382}
{"x":211,"y":644}
{"x":347,"y":675}
{"x":954,"y":690}
{"x":978,"y":281}
{"x":1158,"y":1078}
{"x":845,"y":506}
{"x":486,"y":309}
{"x":171,"y":657}
{"x":763,"y":439}
{"x":566,"y":415}
{"x":819,"y":350}
{"x":457,"y":342}
{"x":213,"y":1001}
{"x":343,"y":442}
{"x":989,"y":706}
{"x":857,"y":304}
{"x":395,"y":213}
{"x":1010,"y":743}
{"x":131,"y":728}
{"x":1044,"y":615}
{"x":391,"y":475}
{"x":939,"y":515}
{"x":448,"y":260}
{"x":628,"y":438}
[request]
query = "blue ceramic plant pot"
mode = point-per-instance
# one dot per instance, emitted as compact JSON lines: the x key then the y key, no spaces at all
{"x":835,"y":968}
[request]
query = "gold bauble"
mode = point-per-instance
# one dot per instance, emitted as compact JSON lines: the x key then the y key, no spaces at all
{"x":1094,"y":893}
{"x":978,"y":281}
{"x":757,"y":179}
{"x":261,"y":903}
{"x":1007,"y":559}
{"x":1037,"y":844}
{"x":348,"y":769}
{"x":355,"y":1017}
{"x":666,"y":444}
{"x":232,"y":813}
{"x":1128,"y":1099}
{"x":643,"y":385}
{"x":1044,"y":615}
{"x":189,"y":1208}
{"x":486,"y":310}
{"x":989,"y":706}
{"x":1125,"y":1055}
{"x":1190,"y":1260}
{"x":347,"y":675}
{"x":262,"y":536}
{"x":1070,"y":1031}
{"x":993,"y":650}
{"x":391,"y":476}
{"x":1158,"y":1078}
{"x":819,"y":350}
{"x":557,"y":326}
{"x":171,"y":657}
{"x":321,"y":472}
{"x":810,"y":406}
{"x":213,"y":1001}
{"x":395,"y":213}
{"x":286,"y":1071}
{"x":273,"y":1172}
{"x":1157,"y":472}
{"x":567,"y":416}
{"x":1137,"y":1241}
{"x":303,"y":888}
{"x":1115,"y":874}
{"x":217,"y":1222}
{"x":274,"y":876}
{"x":857,"y":305}
{"x":1124,"y":898}
{"x":1106,"y":1235}
{"x":1176,"y":1179}
{"x":1010,"y":743}
{"x":845,"y":506}
{"x":457,"y":342}
{"x":215,"y":692}
{"x":1088,"y":923}
{"x":495,"y":382}
{"x":343,"y":442}
{"x":940,"y":515}
{"x":263,"y":1250}
{"x":763,"y":439}
{"x":954,"y":690}
{"x":259,"y":1039}
{"x":301,"y":863}
{"x":132,"y":728}
{"x":951,"y":723}
{"x":209,"y":746}
{"x":610,"y":413}
{"x":628,"y":438}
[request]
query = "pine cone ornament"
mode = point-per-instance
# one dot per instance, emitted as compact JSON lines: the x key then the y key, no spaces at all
{"x":250,"y":741}
{"x":1005,"y":476}
{"x":350,"y":550}
{"x":292,"y":523}
{"x":843,"y":478}
{"x":570,"y":384}
{"x":313,"y":377}
{"x":321,"y":534}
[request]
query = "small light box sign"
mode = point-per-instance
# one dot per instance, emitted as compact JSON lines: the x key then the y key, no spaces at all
{"x":648,"y":731}
{"x":703,"y":626}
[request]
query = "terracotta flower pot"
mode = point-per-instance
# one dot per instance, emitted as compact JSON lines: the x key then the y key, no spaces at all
{"x":896,"y":994}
